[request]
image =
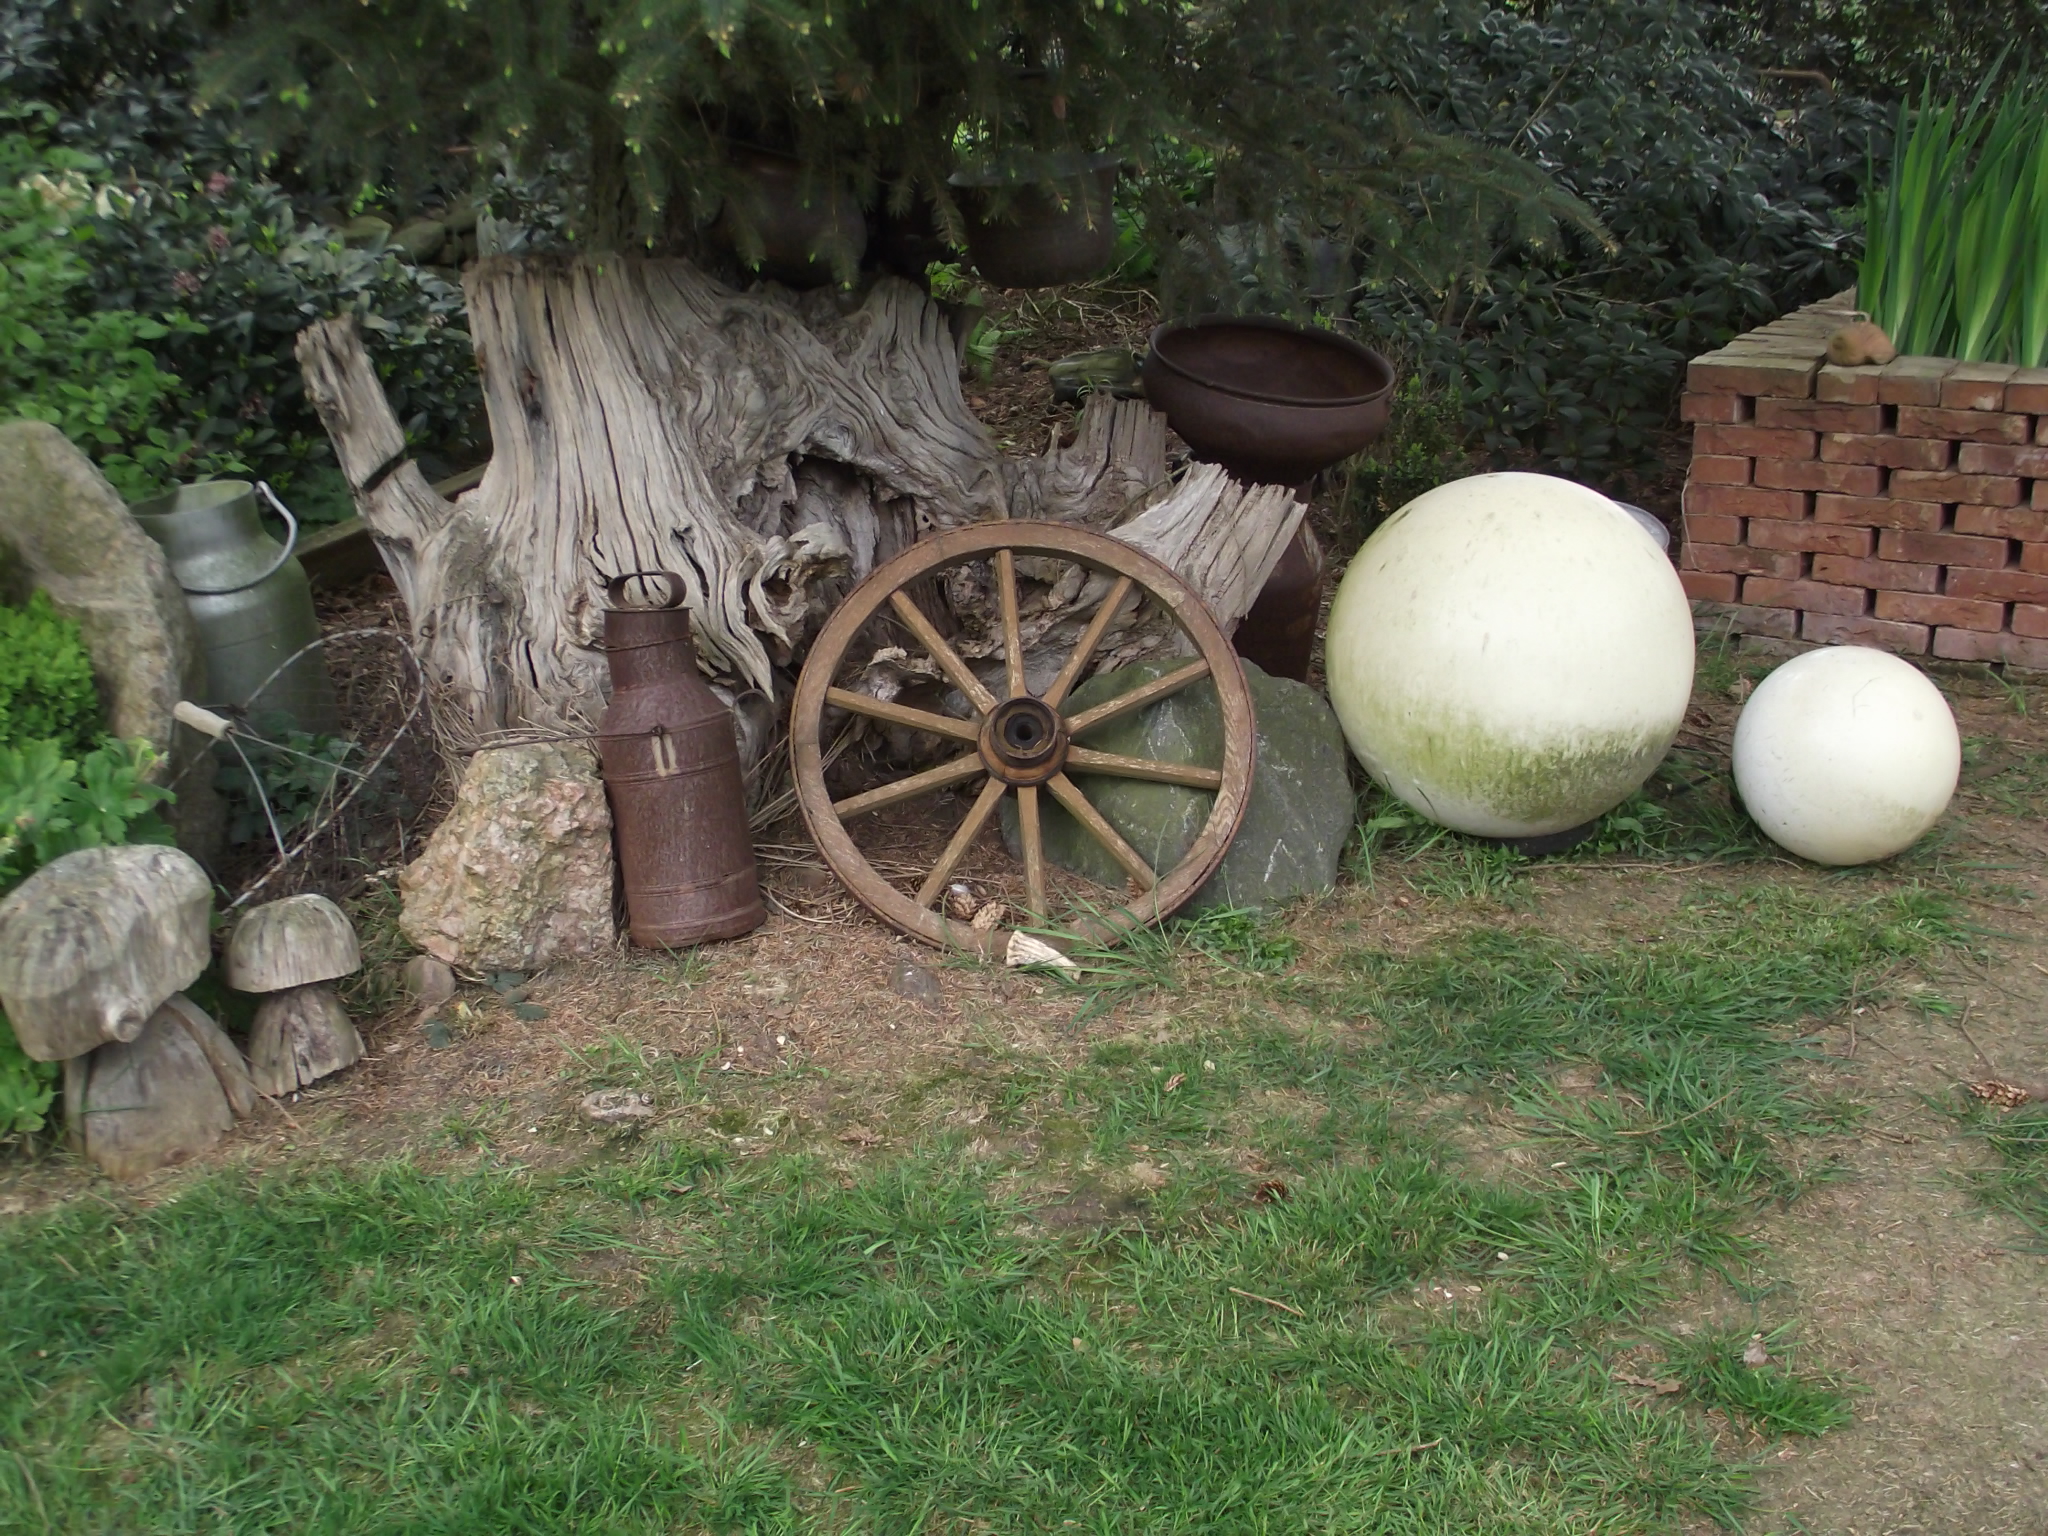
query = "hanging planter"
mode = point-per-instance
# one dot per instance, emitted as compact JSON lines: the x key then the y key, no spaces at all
{"x":800,"y":228}
{"x":1040,"y":220}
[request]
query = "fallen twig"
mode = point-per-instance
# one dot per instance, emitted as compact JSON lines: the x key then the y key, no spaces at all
{"x":1410,"y":1450}
{"x":1268,"y":1300}
{"x":1963,"y":1029}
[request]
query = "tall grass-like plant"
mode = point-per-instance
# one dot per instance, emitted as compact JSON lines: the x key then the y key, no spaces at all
{"x":1956,"y":257}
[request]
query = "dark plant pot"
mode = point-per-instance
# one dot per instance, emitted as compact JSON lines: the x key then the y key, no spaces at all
{"x":1027,"y":234}
{"x":1273,"y":403}
{"x":798,"y":233}
{"x":907,"y":243}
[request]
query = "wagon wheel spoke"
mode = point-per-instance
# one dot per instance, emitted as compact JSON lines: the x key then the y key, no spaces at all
{"x":1091,"y":637}
{"x":1013,"y":637}
{"x":1069,"y":794}
{"x":1118,"y":766}
{"x":970,"y":828}
{"x":956,"y":670}
{"x":1033,"y":839}
{"x":961,"y":768}
{"x":1137,"y":698}
{"x":902,"y":714}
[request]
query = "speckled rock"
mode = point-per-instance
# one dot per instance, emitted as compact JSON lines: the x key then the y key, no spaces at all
{"x":520,"y":874}
{"x":1300,"y":811}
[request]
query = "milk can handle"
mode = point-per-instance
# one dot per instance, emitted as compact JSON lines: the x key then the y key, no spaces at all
{"x":291,"y":540}
{"x":615,"y":589}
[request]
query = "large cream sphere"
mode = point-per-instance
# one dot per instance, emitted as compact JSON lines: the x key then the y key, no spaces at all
{"x":1846,"y":755}
{"x":1509,"y":655}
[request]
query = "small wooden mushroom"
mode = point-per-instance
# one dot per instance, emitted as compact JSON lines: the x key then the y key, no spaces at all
{"x":292,"y":949}
{"x":158,"y":1099}
{"x":91,"y":944}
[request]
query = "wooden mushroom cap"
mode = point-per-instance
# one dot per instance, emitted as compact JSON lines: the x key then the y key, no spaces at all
{"x":93,"y":943}
{"x":291,"y":943}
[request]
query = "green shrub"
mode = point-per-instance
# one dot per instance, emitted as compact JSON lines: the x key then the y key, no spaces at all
{"x":192,"y":217}
{"x":51,"y":805}
{"x":1723,"y":211}
{"x":86,"y":370}
{"x":46,"y":686}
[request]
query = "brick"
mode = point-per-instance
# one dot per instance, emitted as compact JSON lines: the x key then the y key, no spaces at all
{"x":1967,"y":645}
{"x":2031,"y":620}
{"x":1977,"y":386}
{"x":2002,"y":522}
{"x":1815,"y":416}
{"x":1998,"y":586}
{"x":2003,"y":459}
{"x":1952,"y":485}
{"x":2034,"y":557}
{"x":1718,"y":469}
{"x":1961,"y":426}
{"x":1742,"y":560}
{"x":1745,"y":501}
{"x":1711,"y":586}
{"x":1887,"y":451}
{"x":2040,"y":502}
{"x":1913,"y":380}
{"x":1756,"y":442}
{"x":1942,"y":548}
{"x":1960,"y":612}
{"x":1712,"y":528}
{"x":1716,"y":408}
{"x":1821,"y":538}
{"x":1813,"y":475}
{"x":1736,"y":371}
{"x":1877,"y":511}
{"x":2041,"y":430}
{"x":1847,"y":386}
{"x":1739,"y":618}
{"x":1812,"y":596}
{"x":1835,"y":629}
{"x":1878,"y":575}
{"x":2027,"y":391}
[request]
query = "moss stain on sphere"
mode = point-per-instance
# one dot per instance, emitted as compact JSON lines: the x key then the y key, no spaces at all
{"x":1510,"y":655}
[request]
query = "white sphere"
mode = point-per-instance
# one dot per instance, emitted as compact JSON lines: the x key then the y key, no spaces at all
{"x":1846,"y":755}
{"x":1509,"y":655}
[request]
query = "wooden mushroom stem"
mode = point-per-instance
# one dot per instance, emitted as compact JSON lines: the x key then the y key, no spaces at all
{"x":299,"y":1036}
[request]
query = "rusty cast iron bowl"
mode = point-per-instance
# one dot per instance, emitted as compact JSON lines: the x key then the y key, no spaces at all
{"x":1041,"y":223}
{"x":1271,"y":402}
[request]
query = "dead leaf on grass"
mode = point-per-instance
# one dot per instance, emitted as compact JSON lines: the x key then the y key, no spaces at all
{"x":859,"y":1136}
{"x":2000,"y":1094}
{"x":1663,"y":1387}
{"x":1754,"y":1354}
{"x":1175,"y":1081}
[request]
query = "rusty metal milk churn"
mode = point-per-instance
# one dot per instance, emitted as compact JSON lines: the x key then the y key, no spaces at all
{"x":672,"y":771}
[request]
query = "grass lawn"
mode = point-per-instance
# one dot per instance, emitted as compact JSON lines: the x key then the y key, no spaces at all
{"x":1311,"y":1229}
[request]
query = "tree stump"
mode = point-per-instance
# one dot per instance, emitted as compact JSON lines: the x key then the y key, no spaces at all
{"x":771,"y":449}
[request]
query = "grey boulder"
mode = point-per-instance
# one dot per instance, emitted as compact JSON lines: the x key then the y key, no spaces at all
{"x":1297,"y":820}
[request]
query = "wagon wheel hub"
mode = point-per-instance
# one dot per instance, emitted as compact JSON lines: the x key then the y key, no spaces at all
{"x":1024,"y":741}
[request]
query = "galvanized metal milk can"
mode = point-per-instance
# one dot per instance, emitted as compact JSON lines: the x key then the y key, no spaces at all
{"x":671,"y":767}
{"x":250,"y":602}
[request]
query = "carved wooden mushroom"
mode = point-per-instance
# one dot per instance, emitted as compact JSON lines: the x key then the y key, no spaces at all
{"x":91,"y":944}
{"x":170,"y":1092}
{"x":292,"y":949}
{"x":93,"y":949}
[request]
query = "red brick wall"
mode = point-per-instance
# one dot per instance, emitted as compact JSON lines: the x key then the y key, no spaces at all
{"x":1904,"y":506}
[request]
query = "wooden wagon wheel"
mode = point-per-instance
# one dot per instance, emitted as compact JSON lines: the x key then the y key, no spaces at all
{"x":1020,"y":743}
